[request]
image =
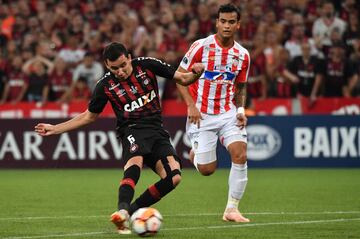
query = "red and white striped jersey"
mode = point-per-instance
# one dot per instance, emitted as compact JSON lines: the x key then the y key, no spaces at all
{"x":214,"y":91}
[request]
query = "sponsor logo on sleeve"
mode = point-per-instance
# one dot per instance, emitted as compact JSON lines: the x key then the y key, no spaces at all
{"x":113,"y":86}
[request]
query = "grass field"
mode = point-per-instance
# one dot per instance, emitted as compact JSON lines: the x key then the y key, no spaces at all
{"x":282,"y":203}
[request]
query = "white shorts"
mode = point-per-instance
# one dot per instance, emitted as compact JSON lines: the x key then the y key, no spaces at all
{"x":214,"y":127}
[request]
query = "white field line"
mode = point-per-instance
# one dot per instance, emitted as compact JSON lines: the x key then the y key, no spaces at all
{"x":181,"y":215}
{"x":80,"y":234}
{"x":194,"y":228}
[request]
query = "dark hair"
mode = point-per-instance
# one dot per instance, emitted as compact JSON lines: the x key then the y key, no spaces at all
{"x":88,"y":54}
{"x":228,"y":8}
{"x":113,"y":51}
{"x":83,"y":79}
{"x":326,"y":2}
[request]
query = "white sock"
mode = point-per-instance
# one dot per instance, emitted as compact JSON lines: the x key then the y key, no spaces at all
{"x":237,"y":184}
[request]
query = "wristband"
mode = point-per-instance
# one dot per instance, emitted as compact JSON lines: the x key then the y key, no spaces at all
{"x":241,"y":110}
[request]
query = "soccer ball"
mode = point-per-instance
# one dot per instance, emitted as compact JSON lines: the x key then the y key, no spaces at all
{"x":146,"y":221}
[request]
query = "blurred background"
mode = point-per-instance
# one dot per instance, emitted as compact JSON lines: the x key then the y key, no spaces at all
{"x":303,"y":87}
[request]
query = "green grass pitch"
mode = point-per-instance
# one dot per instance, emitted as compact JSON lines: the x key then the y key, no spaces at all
{"x":281,"y":203}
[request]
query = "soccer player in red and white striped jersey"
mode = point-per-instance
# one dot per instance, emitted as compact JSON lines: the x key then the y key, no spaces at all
{"x":216,"y":104}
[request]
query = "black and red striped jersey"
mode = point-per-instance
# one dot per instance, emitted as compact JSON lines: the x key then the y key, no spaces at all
{"x":136,"y":99}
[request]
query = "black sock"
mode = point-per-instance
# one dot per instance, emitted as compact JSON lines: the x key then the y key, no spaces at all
{"x":127,"y":186}
{"x":154,"y":193}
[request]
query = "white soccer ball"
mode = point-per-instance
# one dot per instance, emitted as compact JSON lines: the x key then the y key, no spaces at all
{"x":146,"y":221}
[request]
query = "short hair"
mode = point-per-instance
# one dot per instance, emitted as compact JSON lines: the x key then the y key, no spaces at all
{"x":327,"y":2}
{"x":113,"y":51}
{"x":88,"y":54}
{"x":228,"y":8}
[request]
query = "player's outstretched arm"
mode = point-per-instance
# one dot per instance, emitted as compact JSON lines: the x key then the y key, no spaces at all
{"x":80,"y":120}
{"x":193,"y":112}
{"x":187,"y":78}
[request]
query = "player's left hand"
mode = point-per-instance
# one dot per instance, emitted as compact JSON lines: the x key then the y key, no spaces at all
{"x":45,"y":129}
{"x":242,"y":120}
{"x":198,"y":69}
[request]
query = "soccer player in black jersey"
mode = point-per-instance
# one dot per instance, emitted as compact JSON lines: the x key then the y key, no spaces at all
{"x":131,"y":87}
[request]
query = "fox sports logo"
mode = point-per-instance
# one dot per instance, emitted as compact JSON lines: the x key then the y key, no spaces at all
{"x":263,"y":142}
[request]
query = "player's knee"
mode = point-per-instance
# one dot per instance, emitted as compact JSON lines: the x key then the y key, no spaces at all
{"x":176,"y":179}
{"x":206,"y":170}
{"x":239,"y":157}
{"x":206,"y":163}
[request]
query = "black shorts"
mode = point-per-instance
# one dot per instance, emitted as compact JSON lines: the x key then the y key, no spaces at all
{"x":152,"y":144}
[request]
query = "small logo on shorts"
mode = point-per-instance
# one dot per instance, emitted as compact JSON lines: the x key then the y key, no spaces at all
{"x":196,"y":144}
{"x":134,"y":148}
{"x":146,"y":82}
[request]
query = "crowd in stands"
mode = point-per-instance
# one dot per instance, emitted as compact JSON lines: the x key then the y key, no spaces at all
{"x":51,"y":50}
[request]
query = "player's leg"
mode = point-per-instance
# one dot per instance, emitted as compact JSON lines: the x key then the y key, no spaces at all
{"x":204,"y":151}
{"x":191,"y":156}
{"x":237,"y":181}
{"x":203,"y":144}
{"x":234,"y":139}
{"x":206,"y":162}
{"x":168,"y":168}
{"x":134,"y":147}
{"x":132,"y":171}
{"x":131,"y":176}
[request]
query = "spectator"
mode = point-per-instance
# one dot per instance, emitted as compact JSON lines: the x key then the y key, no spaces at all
{"x":11,"y":49}
{"x":71,"y":53}
{"x":193,"y":31}
{"x":181,"y":18}
{"x":134,"y":35}
{"x":94,"y":46}
{"x":89,"y":69}
{"x":174,"y":42}
{"x":312,"y":12}
{"x":347,"y":7}
{"x":280,"y":85}
{"x":287,"y":22}
{"x":302,"y":70}
{"x":257,"y":84}
{"x":324,"y":25}
{"x":337,"y":73}
{"x":60,"y":16}
{"x":272,"y":53}
{"x":269,"y":24}
{"x":293,"y":45}
{"x":60,"y":80}
{"x":80,"y":91}
{"x":155,"y":33}
{"x":166,"y":16}
{"x":205,"y":23}
{"x":247,"y":30}
{"x":354,"y":83}
{"x":256,"y":14}
{"x":16,"y":82}
{"x":352,"y":33}
{"x":38,"y":69}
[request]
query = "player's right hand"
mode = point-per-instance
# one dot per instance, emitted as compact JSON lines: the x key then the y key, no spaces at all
{"x":44,"y":129}
{"x":194,"y":115}
{"x":198,"y":69}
